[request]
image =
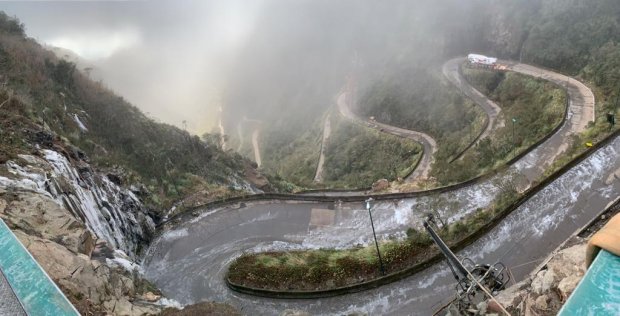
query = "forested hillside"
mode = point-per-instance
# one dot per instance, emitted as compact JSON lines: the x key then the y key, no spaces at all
{"x":579,"y":38}
{"x":51,"y":97}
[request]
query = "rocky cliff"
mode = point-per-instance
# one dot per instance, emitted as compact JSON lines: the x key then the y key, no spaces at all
{"x":84,"y":229}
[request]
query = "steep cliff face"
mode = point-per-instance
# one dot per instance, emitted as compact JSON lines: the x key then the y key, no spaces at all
{"x":84,"y":229}
{"x":112,"y":213}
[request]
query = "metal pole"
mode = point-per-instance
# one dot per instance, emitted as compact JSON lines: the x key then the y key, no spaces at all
{"x":513,"y":133}
{"x":375,"y":236}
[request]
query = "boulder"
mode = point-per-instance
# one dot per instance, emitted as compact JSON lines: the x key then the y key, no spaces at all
{"x":537,"y":282}
{"x":567,"y":285}
{"x":548,"y":280}
{"x":380,"y":185}
{"x":543,"y":281}
{"x":541,"y":302}
{"x":87,"y":243}
{"x":482,"y":308}
{"x":123,"y":307}
{"x":570,"y":261}
{"x":512,"y":296}
{"x":150,"y":297}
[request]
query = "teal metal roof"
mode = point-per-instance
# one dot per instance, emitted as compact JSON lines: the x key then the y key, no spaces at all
{"x":34,"y":289}
{"x":598,"y":293}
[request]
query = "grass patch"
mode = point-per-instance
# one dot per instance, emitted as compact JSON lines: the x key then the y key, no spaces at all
{"x":289,"y":158}
{"x":356,"y":156}
{"x":323,"y":269}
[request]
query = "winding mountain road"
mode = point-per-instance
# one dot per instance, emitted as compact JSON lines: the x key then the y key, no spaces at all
{"x":580,"y":112}
{"x":581,"y":107}
{"x":451,"y":71}
{"x":327,"y":130}
{"x":255,"y":135}
{"x":429,"y":144}
{"x":189,"y":260}
{"x":254,"y":138}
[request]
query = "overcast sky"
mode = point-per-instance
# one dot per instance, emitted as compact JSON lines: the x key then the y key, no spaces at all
{"x":166,"y":57}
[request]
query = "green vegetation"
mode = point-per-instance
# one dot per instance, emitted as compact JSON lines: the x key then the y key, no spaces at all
{"x":588,"y":49}
{"x":52,"y":93}
{"x":420,"y":99}
{"x":537,"y":107}
{"x":293,"y":159}
{"x":579,"y":38}
{"x":323,"y":269}
{"x":356,"y":156}
{"x":401,"y":85}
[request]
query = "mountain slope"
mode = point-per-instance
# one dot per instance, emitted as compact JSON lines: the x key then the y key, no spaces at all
{"x":57,"y":98}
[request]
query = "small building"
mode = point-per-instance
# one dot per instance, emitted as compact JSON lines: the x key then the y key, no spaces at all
{"x":481,"y":60}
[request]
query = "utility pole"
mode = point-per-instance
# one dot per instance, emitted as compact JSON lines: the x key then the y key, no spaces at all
{"x":375,"y":236}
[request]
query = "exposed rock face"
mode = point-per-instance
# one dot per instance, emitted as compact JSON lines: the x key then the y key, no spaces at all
{"x":84,"y":279}
{"x":546,"y":292}
{"x":256,"y":178}
{"x":150,"y":297}
{"x":109,"y":211}
{"x":61,"y":210}
{"x":40,"y":216}
{"x":62,"y":246}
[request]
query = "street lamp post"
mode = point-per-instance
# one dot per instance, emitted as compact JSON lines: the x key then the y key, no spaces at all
{"x":375,"y":236}
{"x":514,"y":120}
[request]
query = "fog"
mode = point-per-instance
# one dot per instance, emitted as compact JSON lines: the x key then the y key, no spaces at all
{"x":165,"y":57}
{"x":280,"y":62}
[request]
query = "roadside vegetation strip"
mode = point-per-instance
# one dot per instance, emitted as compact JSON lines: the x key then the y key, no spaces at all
{"x":298,"y":270}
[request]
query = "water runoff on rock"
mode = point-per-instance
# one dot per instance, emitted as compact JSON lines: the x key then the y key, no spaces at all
{"x":112,"y":213}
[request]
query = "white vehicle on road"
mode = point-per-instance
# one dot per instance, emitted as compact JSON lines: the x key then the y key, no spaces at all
{"x":481,"y":60}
